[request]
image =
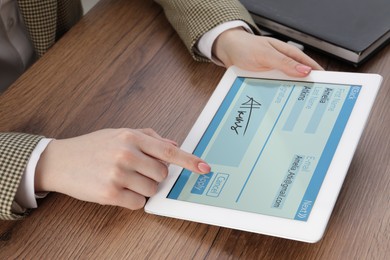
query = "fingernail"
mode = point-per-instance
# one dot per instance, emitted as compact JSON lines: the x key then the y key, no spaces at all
{"x":204,"y":167}
{"x":303,"y":68}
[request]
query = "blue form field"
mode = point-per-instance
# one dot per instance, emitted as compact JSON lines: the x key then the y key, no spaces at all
{"x":319,"y":111}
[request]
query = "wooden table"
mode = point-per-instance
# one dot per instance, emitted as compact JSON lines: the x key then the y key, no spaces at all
{"x":124,"y":66}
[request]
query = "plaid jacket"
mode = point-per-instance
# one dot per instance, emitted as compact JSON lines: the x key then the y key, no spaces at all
{"x":47,"y":20}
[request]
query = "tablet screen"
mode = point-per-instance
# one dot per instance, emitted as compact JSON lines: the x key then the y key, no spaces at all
{"x":269,"y":145}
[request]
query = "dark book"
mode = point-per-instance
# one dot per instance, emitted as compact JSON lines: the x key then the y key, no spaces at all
{"x":349,"y":29}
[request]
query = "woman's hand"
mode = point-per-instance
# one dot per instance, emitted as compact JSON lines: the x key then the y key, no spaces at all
{"x":259,"y":53}
{"x":112,"y":166}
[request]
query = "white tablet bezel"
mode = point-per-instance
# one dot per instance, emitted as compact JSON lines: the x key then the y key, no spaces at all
{"x":309,"y":231}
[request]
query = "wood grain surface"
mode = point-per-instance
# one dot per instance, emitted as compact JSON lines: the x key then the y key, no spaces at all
{"x":124,"y":66}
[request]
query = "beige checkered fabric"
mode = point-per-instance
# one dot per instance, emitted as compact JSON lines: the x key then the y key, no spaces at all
{"x":15,"y":151}
{"x":193,"y":18}
{"x":47,"y":20}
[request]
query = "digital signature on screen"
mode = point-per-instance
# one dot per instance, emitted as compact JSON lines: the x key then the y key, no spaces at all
{"x":270,"y":145}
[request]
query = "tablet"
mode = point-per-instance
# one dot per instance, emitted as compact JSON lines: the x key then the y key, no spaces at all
{"x":279,"y":149}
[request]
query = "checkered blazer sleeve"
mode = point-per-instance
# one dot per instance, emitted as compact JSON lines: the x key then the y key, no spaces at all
{"x":47,"y":20}
{"x":15,"y":151}
{"x":193,"y":18}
